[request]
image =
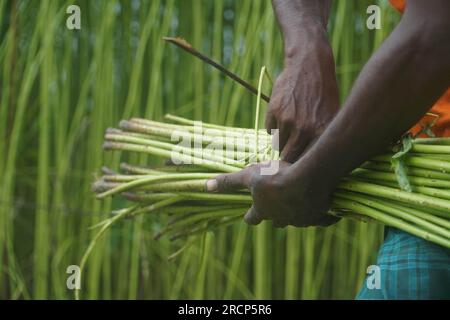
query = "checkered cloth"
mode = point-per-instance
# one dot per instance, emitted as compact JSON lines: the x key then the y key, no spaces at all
{"x":411,"y":268}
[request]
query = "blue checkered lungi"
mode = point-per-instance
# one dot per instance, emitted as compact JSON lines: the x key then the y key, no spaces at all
{"x":410,"y":268}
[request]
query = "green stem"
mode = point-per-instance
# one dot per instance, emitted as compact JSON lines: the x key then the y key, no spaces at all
{"x":395,"y":194}
{"x":174,"y":156}
{"x":424,"y":215}
{"x":424,"y":148}
{"x":412,"y":171}
{"x":391,"y":221}
{"x":385,"y":176}
{"x":434,"y":141}
{"x":153,"y":179}
{"x":196,"y":137}
{"x":402,"y":214}
{"x":174,"y":148}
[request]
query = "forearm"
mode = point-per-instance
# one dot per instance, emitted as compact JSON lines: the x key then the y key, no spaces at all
{"x":299,"y":19}
{"x":305,"y":96}
{"x":395,"y":89}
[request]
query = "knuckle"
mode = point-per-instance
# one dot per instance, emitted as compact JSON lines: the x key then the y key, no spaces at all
{"x":226,"y":182}
{"x":287,"y":120}
{"x":274,"y":105}
{"x":284,"y":117}
{"x":270,"y":113}
{"x":256,"y":180}
{"x":268,"y":188}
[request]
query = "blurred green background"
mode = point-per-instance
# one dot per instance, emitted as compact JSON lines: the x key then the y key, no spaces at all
{"x":61,"y":88}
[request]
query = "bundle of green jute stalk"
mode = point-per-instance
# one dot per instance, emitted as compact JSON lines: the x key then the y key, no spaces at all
{"x":412,"y":195}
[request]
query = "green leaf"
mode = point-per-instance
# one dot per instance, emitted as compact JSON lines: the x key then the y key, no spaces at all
{"x":399,"y":166}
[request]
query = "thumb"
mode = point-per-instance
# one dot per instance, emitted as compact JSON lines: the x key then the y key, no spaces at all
{"x":228,"y":182}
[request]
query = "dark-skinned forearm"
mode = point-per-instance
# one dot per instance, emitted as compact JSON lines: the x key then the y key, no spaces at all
{"x":298,"y":18}
{"x":395,"y":89}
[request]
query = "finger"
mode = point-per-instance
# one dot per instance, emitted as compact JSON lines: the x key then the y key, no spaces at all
{"x":280,"y":223}
{"x":271,"y":121}
{"x":328,"y":220}
{"x":230,"y":181}
{"x":283,"y":135}
{"x":294,"y":148}
{"x":252,"y":216}
{"x":324,"y":220}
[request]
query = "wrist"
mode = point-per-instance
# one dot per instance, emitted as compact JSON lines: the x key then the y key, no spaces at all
{"x":315,"y":173}
{"x":308,"y":34}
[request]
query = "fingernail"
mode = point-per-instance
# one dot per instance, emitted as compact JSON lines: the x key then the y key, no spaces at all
{"x":211,"y":185}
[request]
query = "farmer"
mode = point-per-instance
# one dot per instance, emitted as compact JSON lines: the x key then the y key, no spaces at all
{"x":321,"y":143}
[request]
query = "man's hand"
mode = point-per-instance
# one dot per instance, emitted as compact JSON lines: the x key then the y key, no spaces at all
{"x":397,"y":86}
{"x":305,"y":96}
{"x":290,"y":197}
{"x":304,"y":100}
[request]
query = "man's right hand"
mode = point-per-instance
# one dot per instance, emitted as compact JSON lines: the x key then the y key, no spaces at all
{"x":305,"y":96}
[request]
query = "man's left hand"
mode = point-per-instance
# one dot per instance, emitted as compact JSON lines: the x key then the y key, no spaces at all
{"x":291,"y":196}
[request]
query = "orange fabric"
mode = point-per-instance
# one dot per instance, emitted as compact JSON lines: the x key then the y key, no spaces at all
{"x":439,"y":114}
{"x":398,"y":4}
